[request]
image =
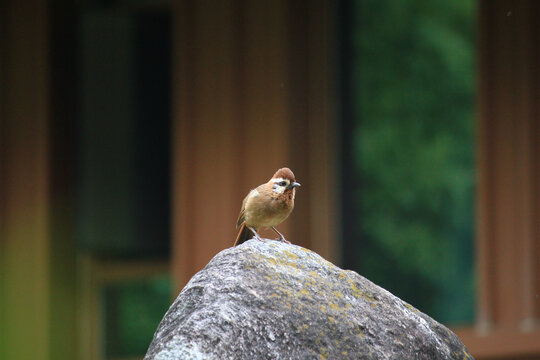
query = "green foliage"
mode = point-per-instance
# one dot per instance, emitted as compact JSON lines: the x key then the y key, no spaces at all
{"x":413,"y":98}
{"x":133,"y":311}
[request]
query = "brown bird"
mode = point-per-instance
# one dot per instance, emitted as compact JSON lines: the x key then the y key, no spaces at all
{"x":267,"y":206}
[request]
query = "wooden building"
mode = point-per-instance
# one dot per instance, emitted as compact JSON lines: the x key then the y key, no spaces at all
{"x":254,"y":85}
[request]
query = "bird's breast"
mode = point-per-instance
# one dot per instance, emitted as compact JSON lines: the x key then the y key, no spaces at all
{"x":266,"y":209}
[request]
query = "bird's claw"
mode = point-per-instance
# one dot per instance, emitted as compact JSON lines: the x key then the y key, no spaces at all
{"x":283,"y":240}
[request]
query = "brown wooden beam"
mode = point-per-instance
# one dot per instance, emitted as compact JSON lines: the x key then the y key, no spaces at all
{"x":508,"y":195}
{"x":507,"y":164}
{"x":501,"y":344}
{"x":251,"y":89}
{"x":24,"y":235}
{"x":37,"y":243}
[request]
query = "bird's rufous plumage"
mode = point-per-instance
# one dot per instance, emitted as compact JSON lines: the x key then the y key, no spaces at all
{"x":267,"y":206}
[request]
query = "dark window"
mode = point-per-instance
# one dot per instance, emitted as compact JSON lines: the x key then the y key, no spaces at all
{"x":124,"y":128}
{"x":124,"y":172}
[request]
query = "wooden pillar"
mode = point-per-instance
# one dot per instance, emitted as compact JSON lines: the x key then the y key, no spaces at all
{"x":24,"y":235}
{"x":508,"y":207}
{"x":320,"y":148}
{"x":251,"y":94}
{"x":207,"y":171}
{"x":508,"y":163}
{"x":37,"y":280}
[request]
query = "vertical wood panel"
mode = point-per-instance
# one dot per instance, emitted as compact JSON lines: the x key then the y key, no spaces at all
{"x":313,"y":124}
{"x":3,"y":115}
{"x":265,"y":101}
{"x":504,"y":124}
{"x":323,"y":145}
{"x":508,"y":199}
{"x":535,"y":159}
{"x":25,"y":231}
{"x":243,"y":92}
{"x":525,"y":166}
{"x":182,"y":104}
{"x":205,"y":135}
{"x":37,"y":242}
{"x":507,"y":166}
{"x":207,"y":123}
{"x":300,"y":127}
{"x":484,"y":165}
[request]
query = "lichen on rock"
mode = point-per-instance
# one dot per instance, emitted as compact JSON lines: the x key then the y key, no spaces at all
{"x":270,"y":300}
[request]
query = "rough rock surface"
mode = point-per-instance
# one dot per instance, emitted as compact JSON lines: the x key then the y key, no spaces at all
{"x":269,"y":300}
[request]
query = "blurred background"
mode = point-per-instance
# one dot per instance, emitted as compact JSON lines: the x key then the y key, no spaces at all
{"x":131,"y":130}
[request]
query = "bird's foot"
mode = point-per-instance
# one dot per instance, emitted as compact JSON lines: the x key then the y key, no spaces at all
{"x":283,"y":240}
{"x":281,"y":237}
{"x":259,"y":238}
{"x":255,"y":234}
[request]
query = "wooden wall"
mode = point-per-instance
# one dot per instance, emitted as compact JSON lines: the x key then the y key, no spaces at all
{"x":508,"y":207}
{"x":253,"y":93}
{"x":254,"y":90}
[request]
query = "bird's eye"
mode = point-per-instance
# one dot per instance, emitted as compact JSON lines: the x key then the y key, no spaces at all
{"x":283,"y":183}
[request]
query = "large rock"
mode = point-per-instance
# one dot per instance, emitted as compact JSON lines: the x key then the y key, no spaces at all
{"x":269,"y":300}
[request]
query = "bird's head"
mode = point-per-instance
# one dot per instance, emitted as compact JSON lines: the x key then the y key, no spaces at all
{"x":283,"y":181}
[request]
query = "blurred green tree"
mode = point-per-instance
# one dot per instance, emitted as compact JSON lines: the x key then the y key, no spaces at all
{"x":133,"y":310}
{"x":412,"y":79}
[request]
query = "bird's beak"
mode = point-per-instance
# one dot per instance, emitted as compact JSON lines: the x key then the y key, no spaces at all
{"x":293,"y":185}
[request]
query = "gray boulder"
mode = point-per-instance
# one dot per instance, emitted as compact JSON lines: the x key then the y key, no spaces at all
{"x":270,"y":300}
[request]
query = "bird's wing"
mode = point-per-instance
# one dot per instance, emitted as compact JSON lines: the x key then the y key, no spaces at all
{"x":241,"y":215}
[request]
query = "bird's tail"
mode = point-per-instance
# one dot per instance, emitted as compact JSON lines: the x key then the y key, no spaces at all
{"x":244,"y":234}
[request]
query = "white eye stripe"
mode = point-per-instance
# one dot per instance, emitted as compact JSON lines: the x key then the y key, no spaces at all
{"x":280,"y":184}
{"x":278,"y":181}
